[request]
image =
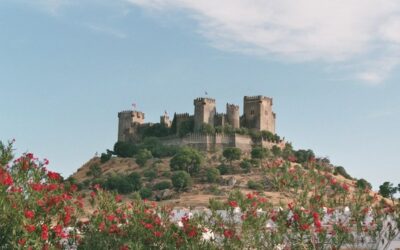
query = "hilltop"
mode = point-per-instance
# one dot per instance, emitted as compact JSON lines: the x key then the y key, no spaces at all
{"x":281,"y":174}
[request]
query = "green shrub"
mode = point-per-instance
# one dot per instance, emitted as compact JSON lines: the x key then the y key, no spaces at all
{"x":125,"y":149}
{"x":105,"y":156}
{"x":246,"y":165}
{"x":145,"y":192}
{"x":94,"y":170}
{"x":150,"y":174}
{"x":135,"y":180}
{"x":363,"y":184}
{"x":255,"y":185}
{"x":213,"y":175}
{"x":162,"y":185}
{"x":143,"y":156}
{"x":340,"y":170}
{"x":181,"y":180}
{"x":232,"y":154}
{"x":223,"y":169}
{"x":187,"y":159}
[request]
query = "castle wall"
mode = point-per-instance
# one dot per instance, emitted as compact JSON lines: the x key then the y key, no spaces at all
{"x":204,"y":112}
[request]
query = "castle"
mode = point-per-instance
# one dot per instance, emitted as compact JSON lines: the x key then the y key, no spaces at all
{"x":192,"y":129}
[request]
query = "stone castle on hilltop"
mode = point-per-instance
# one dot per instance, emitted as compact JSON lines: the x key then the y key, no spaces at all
{"x":195,"y":130}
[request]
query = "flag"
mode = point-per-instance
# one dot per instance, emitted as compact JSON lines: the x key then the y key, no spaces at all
{"x":206,"y":93}
{"x":134,"y":106}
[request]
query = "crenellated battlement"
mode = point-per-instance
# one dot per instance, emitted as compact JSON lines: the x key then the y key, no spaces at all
{"x":257,"y":98}
{"x":232,"y":107}
{"x":182,"y":115}
{"x":203,"y":100}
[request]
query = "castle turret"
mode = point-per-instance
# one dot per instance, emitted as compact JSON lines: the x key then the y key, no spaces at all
{"x":258,"y":113}
{"x":232,"y":115}
{"x":204,"y":112}
{"x":164,"y":120}
{"x":128,"y":123}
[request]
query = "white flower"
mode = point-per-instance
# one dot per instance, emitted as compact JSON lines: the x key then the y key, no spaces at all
{"x":236,"y":210}
{"x":180,"y":224}
{"x":207,"y":235}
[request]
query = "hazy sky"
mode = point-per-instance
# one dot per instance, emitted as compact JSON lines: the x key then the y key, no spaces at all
{"x":67,"y":67}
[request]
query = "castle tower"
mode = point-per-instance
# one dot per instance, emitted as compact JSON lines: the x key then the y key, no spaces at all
{"x":128,"y":123}
{"x":258,"y":113}
{"x":164,"y":120}
{"x":204,"y":112}
{"x":232,"y":115}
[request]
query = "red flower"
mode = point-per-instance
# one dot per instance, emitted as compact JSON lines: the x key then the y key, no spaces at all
{"x":192,"y":233}
{"x":5,"y":178}
{"x":22,"y":242}
{"x":58,"y":230}
{"x":233,"y":203}
{"x":228,"y":233}
{"x":45,"y":232}
{"x":54,"y":176}
{"x":124,"y":247}
{"x":37,"y":186}
{"x":118,"y":198}
{"x":148,"y":226}
{"x":102,"y":226}
{"x":304,"y":227}
{"x":30,"y":228}
{"x":157,"y":234}
{"x":345,"y":187}
{"x":29,"y":214}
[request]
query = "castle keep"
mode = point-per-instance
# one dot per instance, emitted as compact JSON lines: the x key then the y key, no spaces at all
{"x":189,"y":129}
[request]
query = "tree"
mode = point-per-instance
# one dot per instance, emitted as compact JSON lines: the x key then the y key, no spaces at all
{"x":181,"y":180}
{"x":145,"y":192}
{"x":246,"y":165}
{"x":213,"y":175}
{"x":362,"y":184}
{"x":106,"y":156}
{"x":125,"y":149}
{"x":387,"y":190}
{"x":232,"y":154}
{"x":303,"y":155}
{"x":135,"y":180}
{"x":276,"y":151}
{"x":143,"y":156}
{"x":187,"y":159}
{"x":260,"y":153}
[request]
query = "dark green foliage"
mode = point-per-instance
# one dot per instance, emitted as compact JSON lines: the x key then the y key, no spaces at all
{"x":135,"y":180}
{"x":232,"y":154}
{"x":187,"y":159}
{"x":118,"y":183}
{"x":105,"y":156}
{"x":123,"y":184}
{"x":213,"y":175}
{"x":255,"y":185}
{"x":387,"y":190}
{"x":186,"y":127}
{"x":303,"y":156}
{"x":207,"y":129}
{"x":143,"y":156}
{"x":340,"y":170}
{"x":150,"y":174}
{"x":157,"y":130}
{"x":223,"y":169}
{"x":181,"y":180}
{"x":156,"y":148}
{"x":162,"y":185}
{"x":94,"y":170}
{"x":276,"y":151}
{"x":125,"y":149}
{"x":246,"y":165}
{"x":363,"y":184}
{"x":6,"y":152}
{"x":145,"y":192}
{"x":287,"y":151}
{"x":260,"y":153}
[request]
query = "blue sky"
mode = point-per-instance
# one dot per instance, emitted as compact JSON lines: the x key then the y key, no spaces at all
{"x":67,"y":67}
